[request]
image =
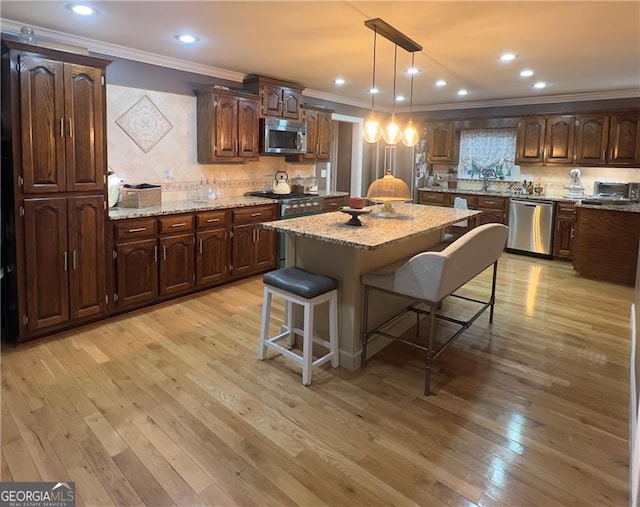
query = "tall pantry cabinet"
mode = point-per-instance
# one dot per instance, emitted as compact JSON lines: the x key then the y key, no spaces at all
{"x":53,"y":189}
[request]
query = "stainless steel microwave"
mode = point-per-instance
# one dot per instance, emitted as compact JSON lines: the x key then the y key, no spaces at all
{"x":284,"y":137}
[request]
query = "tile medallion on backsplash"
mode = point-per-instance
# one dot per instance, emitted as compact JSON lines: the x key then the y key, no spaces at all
{"x":144,"y":124}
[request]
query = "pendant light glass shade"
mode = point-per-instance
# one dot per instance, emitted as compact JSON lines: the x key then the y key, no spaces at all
{"x":392,"y":133}
{"x":372,"y":132}
{"x":410,"y":135}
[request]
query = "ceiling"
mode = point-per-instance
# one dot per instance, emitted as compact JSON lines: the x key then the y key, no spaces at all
{"x":584,"y":50}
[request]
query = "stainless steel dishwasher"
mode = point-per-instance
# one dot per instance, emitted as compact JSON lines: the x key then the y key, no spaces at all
{"x":531,"y":227}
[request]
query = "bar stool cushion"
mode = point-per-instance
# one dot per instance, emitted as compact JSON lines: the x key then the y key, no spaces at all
{"x":300,"y":282}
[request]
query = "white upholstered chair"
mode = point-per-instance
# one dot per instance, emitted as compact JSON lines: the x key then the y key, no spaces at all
{"x":430,"y":277}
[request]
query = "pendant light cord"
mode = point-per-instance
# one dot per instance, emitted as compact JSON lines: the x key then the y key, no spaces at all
{"x":373,"y":78}
{"x":393,"y":102}
{"x":413,"y":68}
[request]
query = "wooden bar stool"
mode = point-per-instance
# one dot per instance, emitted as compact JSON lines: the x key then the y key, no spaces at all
{"x":308,"y":290}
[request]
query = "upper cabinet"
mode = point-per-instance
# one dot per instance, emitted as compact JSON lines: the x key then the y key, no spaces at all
{"x":584,"y":139}
{"x":61,"y":119}
{"x":318,"y":122}
{"x":624,"y":139}
{"x":278,"y":98}
{"x":440,"y":137}
{"x":227,"y":124}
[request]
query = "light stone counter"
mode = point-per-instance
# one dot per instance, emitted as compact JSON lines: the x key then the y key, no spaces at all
{"x":325,"y":245}
{"x":376,"y":232}
{"x":171,"y":208}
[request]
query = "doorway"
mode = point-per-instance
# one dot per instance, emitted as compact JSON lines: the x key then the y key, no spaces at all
{"x":345,"y":173}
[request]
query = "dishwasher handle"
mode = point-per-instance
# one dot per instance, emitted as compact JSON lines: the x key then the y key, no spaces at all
{"x":532,"y":204}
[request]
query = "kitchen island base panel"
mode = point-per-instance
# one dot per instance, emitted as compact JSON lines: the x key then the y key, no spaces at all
{"x":347,"y":264}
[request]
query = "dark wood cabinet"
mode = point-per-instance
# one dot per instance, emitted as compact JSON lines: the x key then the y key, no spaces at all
{"x":212,"y":247}
{"x":530,"y":142}
{"x":494,"y":209}
{"x":227,"y":126}
{"x":318,"y":133}
{"x":592,"y":136}
{"x":565,"y":227}
{"x":624,"y":139}
{"x":136,"y":273}
{"x":54,"y":171}
{"x":177,"y":268}
{"x":253,"y":249}
{"x":277,"y":98}
{"x":559,"y":140}
{"x":334,"y":203}
{"x":440,"y":139}
{"x":62,"y":125}
{"x":64,"y":260}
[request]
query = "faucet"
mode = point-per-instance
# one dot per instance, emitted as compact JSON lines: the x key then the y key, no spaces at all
{"x":486,"y":175}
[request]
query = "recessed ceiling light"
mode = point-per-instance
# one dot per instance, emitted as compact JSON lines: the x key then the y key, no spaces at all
{"x":507,"y":57}
{"x":339,"y":81}
{"x":413,"y":70}
{"x":462,"y":92}
{"x":441,"y":82}
{"x":526,"y":73}
{"x":186,"y":38}
{"x":400,"y":98}
{"x":540,"y":84}
{"x":82,"y":9}
{"x":373,"y":90}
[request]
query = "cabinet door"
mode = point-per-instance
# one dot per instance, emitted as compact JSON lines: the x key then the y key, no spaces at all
{"x":242,"y":249}
{"x":177,"y":269}
{"x":560,"y":132}
{"x":46,"y":262}
{"x":563,"y":239}
{"x":248,"y":128}
{"x":137,"y":272}
{"x":323,"y":151}
{"x":291,"y":100}
{"x":530,"y":144}
{"x":265,"y":249}
{"x":440,"y":142}
{"x":85,"y":157}
{"x":87,"y":262}
{"x":226,"y":127}
{"x":311,"y":121}
{"x":42,"y":124}
{"x":624,"y":140}
{"x":212,"y":257}
{"x":271,"y":100}
{"x":591,"y":139}
{"x":491,"y":216}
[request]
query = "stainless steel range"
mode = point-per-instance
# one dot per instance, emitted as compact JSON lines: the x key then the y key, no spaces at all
{"x":294,"y":205}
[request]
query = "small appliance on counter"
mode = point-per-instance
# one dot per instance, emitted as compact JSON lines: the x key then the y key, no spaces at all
{"x":610,"y":192}
{"x":576,"y":190}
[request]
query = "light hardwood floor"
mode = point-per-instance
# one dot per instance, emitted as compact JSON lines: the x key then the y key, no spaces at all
{"x":170,"y":406}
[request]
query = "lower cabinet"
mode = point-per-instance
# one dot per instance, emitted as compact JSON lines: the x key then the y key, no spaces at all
{"x":334,"y":203}
{"x":565,"y":228}
{"x":253,"y":249}
{"x":494,"y":208}
{"x":158,"y":258}
{"x":64,"y":261}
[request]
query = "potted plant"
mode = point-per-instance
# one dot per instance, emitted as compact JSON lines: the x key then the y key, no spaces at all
{"x":452,"y":178}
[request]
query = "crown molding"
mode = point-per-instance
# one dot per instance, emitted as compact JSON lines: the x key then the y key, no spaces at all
{"x":114,"y":50}
{"x":107,"y":49}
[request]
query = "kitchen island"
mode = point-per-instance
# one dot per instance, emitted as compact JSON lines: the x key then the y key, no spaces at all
{"x":326,"y":245}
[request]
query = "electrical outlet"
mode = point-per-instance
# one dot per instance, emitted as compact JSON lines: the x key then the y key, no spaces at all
{"x":167,"y":175}
{"x":323,"y":173}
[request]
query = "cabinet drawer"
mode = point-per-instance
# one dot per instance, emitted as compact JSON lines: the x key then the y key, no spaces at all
{"x":567,"y":209}
{"x":179,"y":223}
{"x":472,"y":201}
{"x":491,"y":202}
{"x":252,"y":214}
{"x":139,"y":228}
{"x":434,"y":198}
{"x":334,"y":203}
{"x":211,"y":219}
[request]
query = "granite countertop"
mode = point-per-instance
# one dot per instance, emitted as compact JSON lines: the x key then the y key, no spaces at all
{"x":172,"y":208}
{"x":189,"y":206}
{"x":377,"y":232}
{"x":631,"y":207}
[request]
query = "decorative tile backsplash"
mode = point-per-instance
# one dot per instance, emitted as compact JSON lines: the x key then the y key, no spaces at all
{"x":172,"y":159}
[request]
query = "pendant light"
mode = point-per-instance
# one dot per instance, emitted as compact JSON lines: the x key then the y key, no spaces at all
{"x":372,"y":132}
{"x":392,"y":133}
{"x":410,"y":134}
